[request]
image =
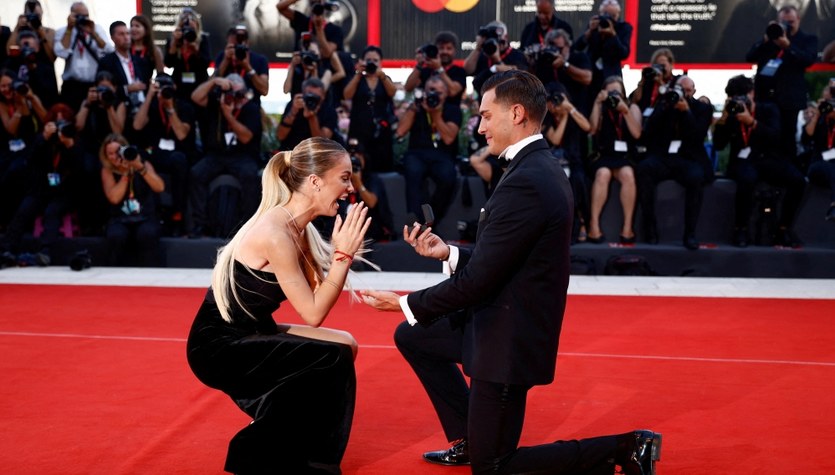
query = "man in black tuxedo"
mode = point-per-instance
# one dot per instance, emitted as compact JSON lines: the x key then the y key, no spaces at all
{"x":501,"y":311}
{"x":126,"y":70}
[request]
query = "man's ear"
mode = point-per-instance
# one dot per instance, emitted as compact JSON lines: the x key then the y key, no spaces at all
{"x":518,"y":113}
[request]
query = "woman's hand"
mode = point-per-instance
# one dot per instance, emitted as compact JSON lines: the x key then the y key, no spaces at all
{"x":426,"y":243}
{"x":348,"y":235}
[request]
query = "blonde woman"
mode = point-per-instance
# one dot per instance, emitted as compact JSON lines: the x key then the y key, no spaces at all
{"x":297,"y":382}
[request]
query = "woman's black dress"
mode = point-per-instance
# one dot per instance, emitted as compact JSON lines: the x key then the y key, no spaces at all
{"x":299,"y":391}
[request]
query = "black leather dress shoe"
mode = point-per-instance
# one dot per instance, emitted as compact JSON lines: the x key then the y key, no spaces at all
{"x":456,"y":454}
{"x":638,"y":452}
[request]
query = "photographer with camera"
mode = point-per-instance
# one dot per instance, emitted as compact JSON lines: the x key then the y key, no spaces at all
{"x":132,"y":187}
{"x":654,"y":81}
{"x":165,"y":127}
{"x":435,"y":59}
{"x":492,"y":54}
{"x":369,"y":189}
{"x":329,"y":35}
{"x":752,"y":129}
{"x":615,"y":128}
{"x":32,"y":21}
{"x":545,"y":20}
{"x":819,"y":135}
{"x":782,"y":57}
{"x":606,"y":41}
{"x":53,"y":181}
{"x":432,"y":124}
{"x":33,"y":67}
{"x":237,"y":58}
{"x":128,"y":71}
{"x":307,"y":64}
{"x":556,"y":62}
{"x":233,"y":146}
{"x":102,"y":113}
{"x":188,"y":53}
{"x":307,"y":115}
{"x":372,"y":110}
{"x":675,"y":134}
{"x":81,"y":43}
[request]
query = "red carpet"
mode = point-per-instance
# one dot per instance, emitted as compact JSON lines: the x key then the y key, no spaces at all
{"x":95,"y":382}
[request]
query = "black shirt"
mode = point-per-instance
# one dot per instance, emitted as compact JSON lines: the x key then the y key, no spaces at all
{"x":301,"y":127}
{"x":510,"y":56}
{"x":456,"y":73}
{"x":533,"y":34}
{"x":216,"y":139}
{"x":301,"y":23}
{"x":158,"y":127}
{"x":420,"y":137}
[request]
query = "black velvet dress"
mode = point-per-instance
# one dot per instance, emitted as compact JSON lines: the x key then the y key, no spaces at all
{"x":299,"y":391}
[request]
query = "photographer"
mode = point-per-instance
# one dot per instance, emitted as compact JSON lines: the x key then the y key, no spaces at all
{"x":782,"y":57}
{"x":752,"y":131}
{"x":239,"y":59}
{"x":372,"y":110}
{"x":606,"y":41}
{"x":436,"y":60}
{"x":492,"y":54}
{"x":545,"y":20}
{"x":102,"y":113}
{"x":127,"y":71}
{"x":307,"y":115}
{"x":187,"y":52}
{"x":81,"y":43}
{"x":615,"y":128}
{"x":328,"y":35}
{"x":432,"y":124}
{"x":565,"y":128}
{"x":233,"y":146}
{"x":369,"y":189}
{"x":165,"y":127}
{"x":33,"y":67}
{"x":654,"y":80}
{"x":556,"y":62}
{"x":52,"y":184}
{"x":131,"y":186}
{"x":307,"y":64}
{"x":32,"y":20}
{"x":819,"y":135}
{"x":675,"y":133}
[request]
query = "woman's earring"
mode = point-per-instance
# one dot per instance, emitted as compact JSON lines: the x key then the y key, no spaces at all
{"x":318,"y":189}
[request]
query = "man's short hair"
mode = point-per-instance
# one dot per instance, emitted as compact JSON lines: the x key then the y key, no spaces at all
{"x":446,"y":37}
{"x":739,"y":85}
{"x":666,"y":52}
{"x":313,"y":82}
{"x":116,"y":24}
{"x":519,"y":87}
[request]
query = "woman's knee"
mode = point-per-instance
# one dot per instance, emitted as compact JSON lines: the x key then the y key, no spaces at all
{"x":603,"y":175}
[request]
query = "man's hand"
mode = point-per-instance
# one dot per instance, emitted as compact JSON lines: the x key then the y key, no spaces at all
{"x":426,"y":243}
{"x":381,"y":300}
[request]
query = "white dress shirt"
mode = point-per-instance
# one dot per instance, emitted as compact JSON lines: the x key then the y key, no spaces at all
{"x":83,"y":66}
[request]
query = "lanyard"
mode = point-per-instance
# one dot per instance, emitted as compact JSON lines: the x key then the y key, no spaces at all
{"x":55,"y":161}
{"x":541,"y":36}
{"x":165,"y":120}
{"x":138,"y":52}
{"x":130,"y":185}
{"x":235,"y":113}
{"x":502,"y":56}
{"x":186,"y":55}
{"x":746,"y":131}
{"x":80,"y":43}
{"x":616,"y":122}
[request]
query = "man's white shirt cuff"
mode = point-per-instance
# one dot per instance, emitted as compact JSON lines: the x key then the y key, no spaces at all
{"x":449,"y":268}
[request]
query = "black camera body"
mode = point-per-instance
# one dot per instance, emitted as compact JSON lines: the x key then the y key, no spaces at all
{"x":429,"y":50}
{"x":605,"y":21}
{"x":612,"y":100}
{"x":370,"y":67}
{"x":82,"y":20}
{"x":129,"y":152}
{"x":166,"y":86}
{"x":738,"y":104}
{"x":556,"y":98}
{"x":654,"y":71}
{"x":66,"y":129}
{"x":107,"y":96}
{"x":826,"y":107}
{"x":433,"y":99}
{"x":356,"y":164}
{"x":319,"y":9}
{"x":672,"y":95}
{"x":241,"y":51}
{"x":776,"y":30}
{"x":309,"y":58}
{"x":28,"y":54}
{"x":20,"y":87}
{"x":189,"y":34}
{"x":491,"y":39}
{"x":311,"y":101}
{"x":34,"y":20}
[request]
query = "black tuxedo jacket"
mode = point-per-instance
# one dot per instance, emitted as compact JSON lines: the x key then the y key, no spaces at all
{"x":513,"y":283}
{"x":112,"y":64}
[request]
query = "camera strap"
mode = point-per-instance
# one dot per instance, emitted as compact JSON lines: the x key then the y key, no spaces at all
{"x":84,"y":43}
{"x":616,"y":122}
{"x":745,"y":131}
{"x":165,"y":120}
{"x":501,"y":56}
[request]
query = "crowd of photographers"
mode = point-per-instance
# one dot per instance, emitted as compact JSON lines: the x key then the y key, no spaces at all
{"x":131,"y":152}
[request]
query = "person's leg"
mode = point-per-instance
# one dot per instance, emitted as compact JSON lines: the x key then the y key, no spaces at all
{"x":628,"y":195}
{"x":822,"y":173}
{"x":434,"y":352}
{"x":148,"y":234}
{"x":414,"y":171}
{"x":649,"y":172}
{"x":690,"y":175}
{"x":744,"y":173}
{"x":442,"y":171}
{"x":117,"y":235}
{"x":245,"y":169}
{"x":199,"y":177}
{"x":599,"y":193}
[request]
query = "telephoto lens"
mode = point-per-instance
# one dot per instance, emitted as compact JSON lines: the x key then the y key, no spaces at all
{"x":370,"y":67}
{"x":128,"y":152}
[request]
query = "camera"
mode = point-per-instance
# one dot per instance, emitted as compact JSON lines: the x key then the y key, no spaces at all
{"x":370,"y":67}
{"x":556,"y":98}
{"x":491,"y":39}
{"x":612,"y":100}
{"x":166,"y":86}
{"x":66,"y":129}
{"x":189,"y":34}
{"x":737,"y":105}
{"x":356,"y":165}
{"x":826,"y":107}
{"x":82,"y":20}
{"x":776,"y":30}
{"x":309,"y":58}
{"x":673,"y":94}
{"x":81,"y":260}
{"x":433,"y":99}
{"x":241,"y":52}
{"x":107,"y":96}
{"x":605,"y":21}
{"x":229,"y":97}
{"x":128,"y":152}
{"x":28,"y":53}
{"x":306,"y":38}
{"x":319,"y":9}
{"x":20,"y":87}
{"x":429,"y":50}
{"x":652,"y":72}
{"x":311,"y":101}
{"x":34,"y":20}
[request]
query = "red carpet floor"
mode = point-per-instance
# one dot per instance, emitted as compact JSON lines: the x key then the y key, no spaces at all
{"x":95,"y":382}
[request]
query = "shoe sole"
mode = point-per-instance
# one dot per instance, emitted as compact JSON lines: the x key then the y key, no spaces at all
{"x":447,"y":464}
{"x":655,"y":455}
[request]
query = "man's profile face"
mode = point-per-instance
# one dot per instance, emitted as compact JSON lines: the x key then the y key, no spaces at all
{"x":496,"y":123}
{"x":688,"y":87}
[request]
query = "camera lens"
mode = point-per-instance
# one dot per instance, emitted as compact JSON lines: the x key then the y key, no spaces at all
{"x":128,"y":152}
{"x":430,"y":51}
{"x":613,"y":100}
{"x":370,"y":67}
{"x":189,"y":34}
{"x":774,"y":31}
{"x":433,"y":99}
{"x":490,"y":47}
